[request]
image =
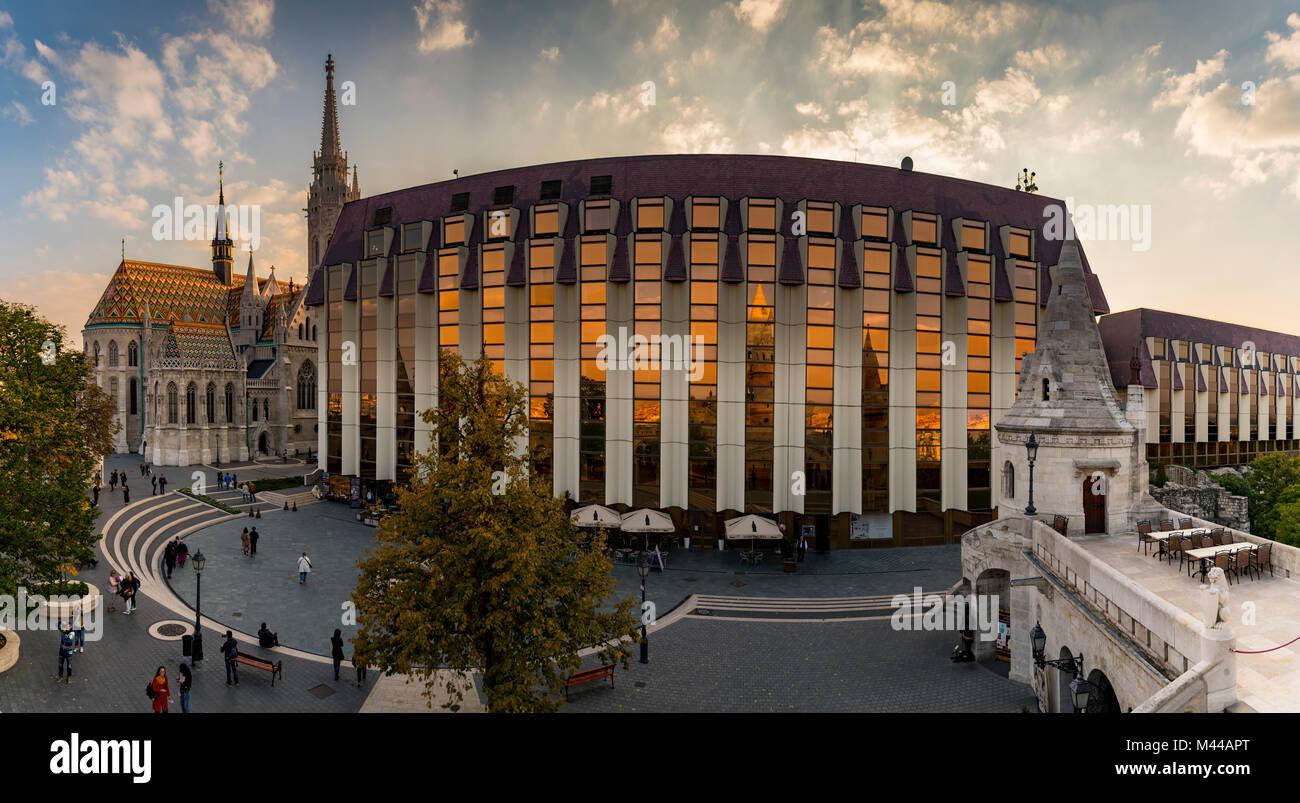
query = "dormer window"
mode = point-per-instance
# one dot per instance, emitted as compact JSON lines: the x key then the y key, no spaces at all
{"x":412,"y":237}
{"x":383,"y":215}
{"x":1047,"y":396}
{"x":602,"y":185}
{"x":374,"y":243}
{"x":453,"y":231}
{"x":597,"y":216}
{"x":460,"y":202}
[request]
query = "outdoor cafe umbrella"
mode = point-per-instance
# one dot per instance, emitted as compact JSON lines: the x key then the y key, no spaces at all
{"x":595,"y":516}
{"x":645,"y":521}
{"x":754,"y":528}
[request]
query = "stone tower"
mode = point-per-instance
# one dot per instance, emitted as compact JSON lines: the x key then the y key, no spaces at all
{"x":1090,"y":467}
{"x":329,"y":187}
{"x":223,"y":257}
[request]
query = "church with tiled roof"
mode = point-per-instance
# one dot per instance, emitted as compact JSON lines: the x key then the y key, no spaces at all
{"x":210,"y":367}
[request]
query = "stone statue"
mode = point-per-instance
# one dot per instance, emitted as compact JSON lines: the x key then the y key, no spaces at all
{"x":1214,"y":600}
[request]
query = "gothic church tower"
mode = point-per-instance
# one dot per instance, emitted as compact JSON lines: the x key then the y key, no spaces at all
{"x":329,"y":187}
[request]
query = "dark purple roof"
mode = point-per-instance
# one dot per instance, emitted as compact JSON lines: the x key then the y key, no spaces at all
{"x":791,"y":262}
{"x":952,"y":285}
{"x":620,"y":267}
{"x":903,"y":269}
{"x":1200,"y":379}
{"x":1178,"y":377}
{"x":849,"y":276}
{"x":386,"y":283}
{"x":675,"y":270}
{"x":732,"y":271}
{"x":316,"y":289}
{"x":732,"y":176}
{"x":429,"y":276}
{"x":350,"y":292}
{"x":567,"y":273}
{"x":517,"y":274}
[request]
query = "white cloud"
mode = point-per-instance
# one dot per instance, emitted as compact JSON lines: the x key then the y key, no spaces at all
{"x":18,"y":112}
{"x":814,"y":110}
{"x":760,"y":15}
{"x":951,"y":20}
{"x":1051,"y":58}
{"x":863,"y":52}
{"x":245,"y":17}
{"x":551,"y":54}
{"x":618,"y":108}
{"x":1286,"y":51}
{"x":695,"y":130}
{"x":442,"y":26}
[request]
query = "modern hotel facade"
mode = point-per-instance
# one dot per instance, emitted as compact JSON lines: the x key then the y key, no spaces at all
{"x":1215,"y":393}
{"x":860,"y":328}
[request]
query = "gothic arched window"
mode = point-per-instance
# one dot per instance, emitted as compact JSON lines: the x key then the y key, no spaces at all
{"x":313,"y":332}
{"x":112,"y":390}
{"x":1009,"y":479}
{"x":96,"y":353}
{"x":112,"y":354}
{"x":230,"y":404}
{"x":134,"y":392}
{"x":173,"y":413}
{"x":254,"y":409}
{"x":266,"y":409}
{"x":300,"y":331}
{"x":210,"y":402}
{"x":132,"y":354}
{"x":190,"y":400}
{"x":307,"y":386}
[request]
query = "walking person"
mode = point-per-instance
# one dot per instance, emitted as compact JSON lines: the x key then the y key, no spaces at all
{"x":252,"y":540}
{"x":304,"y":567}
{"x":112,"y":481}
{"x":360,"y":666}
{"x":95,"y":491}
{"x":130,"y":586}
{"x":186,"y":680}
{"x":160,"y":693}
{"x":252,"y":492}
{"x":336,"y":651}
{"x":162,"y":483}
{"x":79,"y":629}
{"x":67,"y":646}
{"x":169,"y":558}
{"x":802,"y":547}
{"x":243,"y":542}
{"x":230,"y":651}
{"x":155,"y":486}
{"x":114,"y":588}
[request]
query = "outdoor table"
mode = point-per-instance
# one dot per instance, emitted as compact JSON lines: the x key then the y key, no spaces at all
{"x":1208,"y":552}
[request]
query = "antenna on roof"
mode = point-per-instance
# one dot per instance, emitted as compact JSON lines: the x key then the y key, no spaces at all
{"x":123,"y":249}
{"x":907,"y":163}
{"x":455,"y":173}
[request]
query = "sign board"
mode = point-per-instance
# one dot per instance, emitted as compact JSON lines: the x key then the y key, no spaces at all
{"x":1002,"y":649}
{"x":871,"y":526}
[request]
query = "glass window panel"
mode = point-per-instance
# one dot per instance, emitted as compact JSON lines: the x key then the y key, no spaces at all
{"x":762,"y":216}
{"x":453,"y":232}
{"x":649,"y":252}
{"x":704,"y":213}
{"x":649,"y":214}
{"x":762,"y":252}
{"x":546,"y":222}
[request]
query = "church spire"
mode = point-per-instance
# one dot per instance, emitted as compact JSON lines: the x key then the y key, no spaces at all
{"x":356,"y":184}
{"x":223,"y":257}
{"x":329,"y":132}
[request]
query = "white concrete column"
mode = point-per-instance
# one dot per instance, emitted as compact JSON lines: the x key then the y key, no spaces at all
{"x":385,"y":388}
{"x":618,"y":397}
{"x":731,"y":395}
{"x":567,"y":370}
{"x":352,"y":386}
{"x":902,"y":403}
{"x":674,"y":392}
{"x":846,"y":432}
{"x":789,"y":395}
{"x":426,"y":367}
{"x":518,"y":339}
{"x":1002,"y":391}
{"x":952,"y":393}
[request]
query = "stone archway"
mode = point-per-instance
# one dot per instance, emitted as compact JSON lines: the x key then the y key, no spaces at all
{"x":1063,"y":698}
{"x":1094,"y":504}
{"x":262,"y":443}
{"x":996,"y":583}
{"x":1103,"y":699}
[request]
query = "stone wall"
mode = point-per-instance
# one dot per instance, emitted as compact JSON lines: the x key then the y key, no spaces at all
{"x":1195,"y":494}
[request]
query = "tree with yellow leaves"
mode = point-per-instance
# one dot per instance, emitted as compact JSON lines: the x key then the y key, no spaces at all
{"x":481,"y":570}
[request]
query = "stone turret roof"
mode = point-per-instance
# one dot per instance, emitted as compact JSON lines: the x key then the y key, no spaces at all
{"x":1081,"y":397}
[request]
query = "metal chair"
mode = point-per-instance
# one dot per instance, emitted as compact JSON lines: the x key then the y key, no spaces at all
{"x":1223,"y":560}
{"x":1262,"y":556}
{"x":1144,"y":536}
{"x":1166,"y":526}
{"x":1060,"y":523}
{"x":1184,"y":524}
{"x":1185,"y":544}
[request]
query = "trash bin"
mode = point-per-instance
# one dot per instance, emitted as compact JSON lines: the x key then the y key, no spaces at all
{"x":187,"y":645}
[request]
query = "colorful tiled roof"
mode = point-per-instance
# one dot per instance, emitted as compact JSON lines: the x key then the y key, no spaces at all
{"x":195,"y":344}
{"x":172,"y":293}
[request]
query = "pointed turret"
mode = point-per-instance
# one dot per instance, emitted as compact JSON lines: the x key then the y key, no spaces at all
{"x":355,"y":192}
{"x":329,"y":189}
{"x":223,"y":257}
{"x":329,"y":130}
{"x":1065,"y":384}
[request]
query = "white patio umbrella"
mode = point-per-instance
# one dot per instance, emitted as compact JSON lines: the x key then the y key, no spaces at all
{"x":595,"y":516}
{"x":755,"y":528}
{"x":645,"y":521}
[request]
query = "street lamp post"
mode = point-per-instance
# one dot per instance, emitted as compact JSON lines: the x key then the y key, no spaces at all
{"x":199,"y":561}
{"x":643,"y":569}
{"x":1031,"y":448}
{"x":1080,"y":689}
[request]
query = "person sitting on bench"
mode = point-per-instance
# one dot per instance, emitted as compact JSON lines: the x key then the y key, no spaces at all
{"x":265,"y":638}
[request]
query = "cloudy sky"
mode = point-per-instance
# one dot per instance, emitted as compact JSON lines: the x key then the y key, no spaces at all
{"x":1188,"y":109}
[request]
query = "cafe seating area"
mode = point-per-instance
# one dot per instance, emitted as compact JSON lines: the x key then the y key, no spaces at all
{"x":1198,"y":550}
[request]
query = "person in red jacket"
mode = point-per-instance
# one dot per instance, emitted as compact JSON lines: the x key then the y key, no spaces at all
{"x":161,"y":692}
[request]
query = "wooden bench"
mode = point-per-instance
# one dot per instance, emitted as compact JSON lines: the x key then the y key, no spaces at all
{"x":260,"y":663}
{"x":588,"y":675}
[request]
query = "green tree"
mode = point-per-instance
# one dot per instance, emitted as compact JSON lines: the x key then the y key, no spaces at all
{"x":54,"y":425}
{"x":1270,"y":476}
{"x":481,"y":570}
{"x":1237,"y":486}
{"x":1286,"y":511}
